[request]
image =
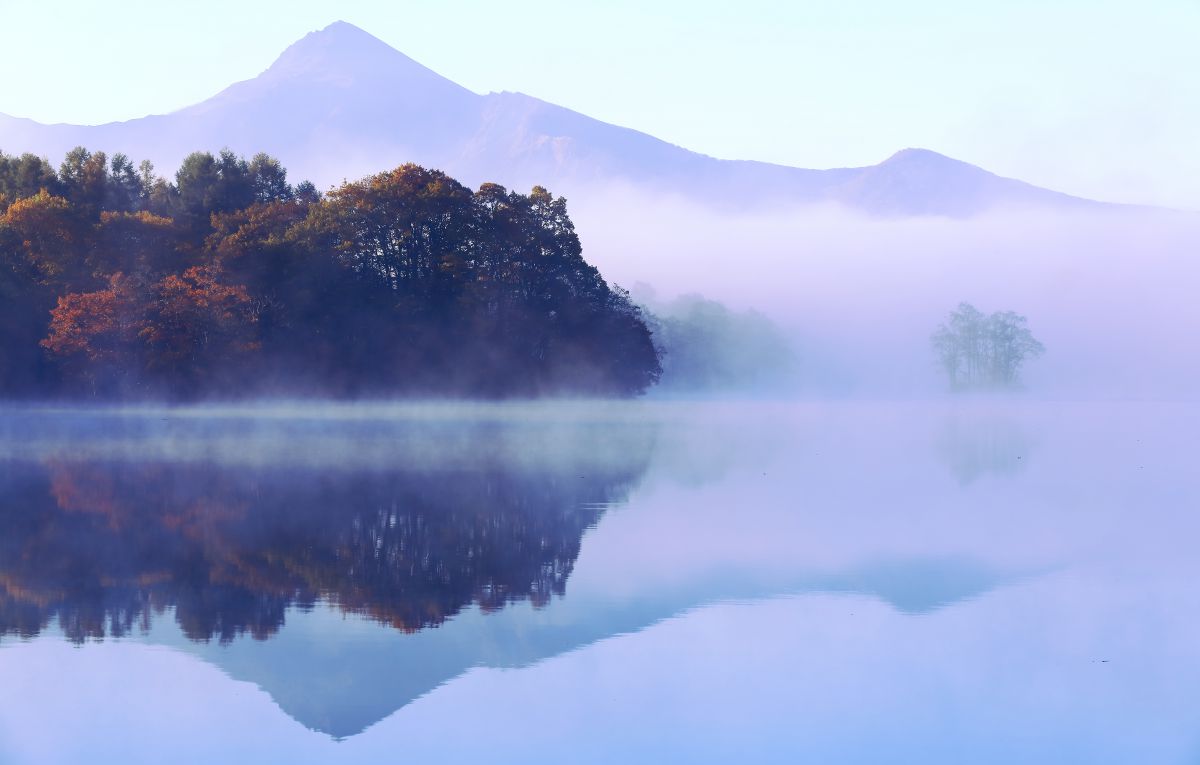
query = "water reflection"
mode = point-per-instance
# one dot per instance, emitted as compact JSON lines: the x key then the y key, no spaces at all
{"x":975,"y":447}
{"x":918,"y":586}
{"x":194,"y":529}
{"x":1056,"y":593}
{"x":103,"y":546}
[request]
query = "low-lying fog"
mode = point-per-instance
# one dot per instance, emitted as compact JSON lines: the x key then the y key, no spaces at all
{"x":1110,"y":294}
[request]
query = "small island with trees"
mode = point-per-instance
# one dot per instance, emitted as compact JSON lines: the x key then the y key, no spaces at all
{"x":984,"y":352}
{"x":229,"y":281}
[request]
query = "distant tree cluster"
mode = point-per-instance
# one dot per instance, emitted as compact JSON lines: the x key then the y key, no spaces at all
{"x":115,"y":282}
{"x":707,"y":348}
{"x":979,"y":351}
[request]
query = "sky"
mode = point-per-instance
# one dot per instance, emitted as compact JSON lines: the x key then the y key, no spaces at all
{"x":1091,"y":97}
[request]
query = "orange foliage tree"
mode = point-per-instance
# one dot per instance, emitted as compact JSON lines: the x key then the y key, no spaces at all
{"x":193,"y":320}
{"x":95,"y":333}
{"x":175,"y":330}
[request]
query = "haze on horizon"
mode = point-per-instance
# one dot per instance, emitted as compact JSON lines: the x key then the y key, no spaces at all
{"x":1088,"y":99}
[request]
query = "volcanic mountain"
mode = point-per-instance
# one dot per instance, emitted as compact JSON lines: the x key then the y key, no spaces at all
{"x":340,"y":104}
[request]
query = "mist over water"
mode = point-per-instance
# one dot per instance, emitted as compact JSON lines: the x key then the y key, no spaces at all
{"x":376,"y":435}
{"x":1109,"y":294}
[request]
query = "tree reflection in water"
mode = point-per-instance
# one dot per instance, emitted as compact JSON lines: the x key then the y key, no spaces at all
{"x":103,"y":547}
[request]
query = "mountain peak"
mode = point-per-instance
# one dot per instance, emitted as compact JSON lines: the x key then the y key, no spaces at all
{"x":346,"y":54}
{"x":923,"y":157}
{"x":340,"y":27}
{"x":339,"y":39}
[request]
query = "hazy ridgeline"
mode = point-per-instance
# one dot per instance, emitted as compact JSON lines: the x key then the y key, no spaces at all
{"x":1110,"y":294}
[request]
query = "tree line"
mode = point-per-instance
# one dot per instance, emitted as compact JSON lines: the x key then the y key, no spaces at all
{"x":229,"y":280}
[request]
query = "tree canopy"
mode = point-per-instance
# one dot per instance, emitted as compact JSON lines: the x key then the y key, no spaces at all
{"x":228,"y":280}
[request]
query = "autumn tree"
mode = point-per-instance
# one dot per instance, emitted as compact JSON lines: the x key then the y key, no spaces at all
{"x":47,"y":232}
{"x":195,"y":326}
{"x":94,"y":336}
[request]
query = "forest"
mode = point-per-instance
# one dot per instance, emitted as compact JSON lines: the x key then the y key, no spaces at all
{"x":229,"y":281}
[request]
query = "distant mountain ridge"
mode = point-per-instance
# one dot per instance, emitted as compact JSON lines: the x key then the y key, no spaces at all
{"x":340,"y":104}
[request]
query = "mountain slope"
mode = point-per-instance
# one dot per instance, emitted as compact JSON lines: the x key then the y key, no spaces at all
{"x":341,"y":104}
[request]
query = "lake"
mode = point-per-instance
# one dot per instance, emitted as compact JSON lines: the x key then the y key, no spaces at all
{"x":975,"y":580}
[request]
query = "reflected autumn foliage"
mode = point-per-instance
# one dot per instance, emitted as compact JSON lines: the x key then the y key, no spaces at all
{"x":103,"y":547}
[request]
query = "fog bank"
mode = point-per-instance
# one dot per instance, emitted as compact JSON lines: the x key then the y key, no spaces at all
{"x":1110,"y":295}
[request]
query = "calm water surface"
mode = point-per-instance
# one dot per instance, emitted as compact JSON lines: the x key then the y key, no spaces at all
{"x":975,"y":581}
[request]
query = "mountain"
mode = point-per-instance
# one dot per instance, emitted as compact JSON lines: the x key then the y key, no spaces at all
{"x":342,"y":687}
{"x":340,"y":104}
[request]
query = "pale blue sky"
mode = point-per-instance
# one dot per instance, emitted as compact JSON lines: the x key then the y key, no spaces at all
{"x":1091,"y":97}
